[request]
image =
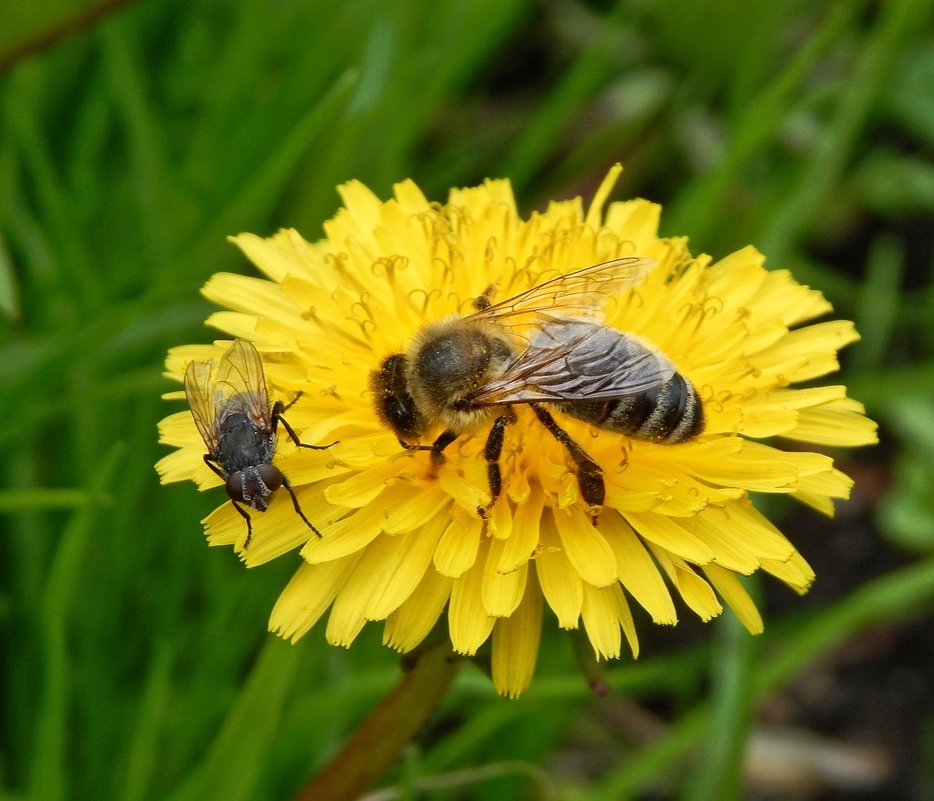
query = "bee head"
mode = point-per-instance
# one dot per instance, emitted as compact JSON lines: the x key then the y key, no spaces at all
{"x":394,"y":403}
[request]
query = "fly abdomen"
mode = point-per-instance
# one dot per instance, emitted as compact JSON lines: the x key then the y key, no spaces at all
{"x":670,"y":413}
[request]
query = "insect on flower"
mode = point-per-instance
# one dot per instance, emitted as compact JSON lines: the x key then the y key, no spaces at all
{"x":720,"y":345}
{"x":230,"y":405}
{"x":547,"y":345}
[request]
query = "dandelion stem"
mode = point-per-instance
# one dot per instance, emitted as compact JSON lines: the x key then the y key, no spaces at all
{"x":376,"y":745}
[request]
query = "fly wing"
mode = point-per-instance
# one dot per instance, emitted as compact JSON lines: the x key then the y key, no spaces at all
{"x":577,"y":294}
{"x":199,"y":391}
{"x":572,"y":360}
{"x":240,"y":384}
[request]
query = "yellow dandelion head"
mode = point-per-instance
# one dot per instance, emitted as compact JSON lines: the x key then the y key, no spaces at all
{"x":408,"y":535}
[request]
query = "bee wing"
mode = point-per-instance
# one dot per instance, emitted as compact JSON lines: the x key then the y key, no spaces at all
{"x":571,"y":360}
{"x":240,"y":384}
{"x":200,"y":395}
{"x":579,"y":293}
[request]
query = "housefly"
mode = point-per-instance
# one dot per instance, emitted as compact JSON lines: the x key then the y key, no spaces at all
{"x":230,"y":405}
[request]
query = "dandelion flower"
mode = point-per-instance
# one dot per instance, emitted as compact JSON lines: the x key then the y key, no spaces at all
{"x":406,"y":542}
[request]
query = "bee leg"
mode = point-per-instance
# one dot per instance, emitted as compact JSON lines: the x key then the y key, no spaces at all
{"x":491,"y":452}
{"x":444,"y":439}
{"x":485,"y":300}
{"x":249,"y":523}
{"x":298,"y":509}
{"x":589,"y":473}
{"x":277,"y":418}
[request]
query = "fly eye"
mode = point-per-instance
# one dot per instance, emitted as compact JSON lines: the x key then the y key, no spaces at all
{"x":271,"y":476}
{"x":234,"y":486}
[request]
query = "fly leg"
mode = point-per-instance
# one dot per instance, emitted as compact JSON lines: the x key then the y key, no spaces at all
{"x":289,"y":405}
{"x":589,"y":473}
{"x":491,"y":452}
{"x":249,"y":523}
{"x":213,"y":465}
{"x":242,"y":512}
{"x":298,"y":509}
{"x":278,"y":410}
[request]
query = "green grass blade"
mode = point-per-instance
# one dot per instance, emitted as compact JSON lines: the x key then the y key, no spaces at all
{"x":49,"y":772}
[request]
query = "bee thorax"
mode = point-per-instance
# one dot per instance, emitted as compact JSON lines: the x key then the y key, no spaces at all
{"x":449,"y":366}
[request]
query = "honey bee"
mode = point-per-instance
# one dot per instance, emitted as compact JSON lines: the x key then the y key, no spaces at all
{"x":230,"y":405}
{"x":543,"y":346}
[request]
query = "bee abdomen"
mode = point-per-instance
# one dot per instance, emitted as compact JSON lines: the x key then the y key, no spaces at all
{"x":669,"y":414}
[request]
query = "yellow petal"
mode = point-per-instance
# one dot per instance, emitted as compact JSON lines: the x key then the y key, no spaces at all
{"x":669,"y":534}
{"x":182,"y":465}
{"x":465,"y":492}
{"x":628,"y":626}
{"x":410,"y":623}
{"x":468,"y":622}
{"x":179,"y":430}
{"x":778,"y":412}
{"x":696,"y":592}
{"x":600,"y":613}
{"x":595,"y":212}
{"x":829,"y":483}
{"x":275,"y":256}
{"x":252,"y":296}
{"x":346,"y":619}
{"x":560,"y":583}
{"x":792,"y":302}
{"x":738,"y":463}
{"x":638,"y":573}
{"x":457,"y":548}
{"x":736,"y":597}
{"x":605,"y":612}
{"x":362,"y":487}
{"x":347,"y":536}
{"x":794,"y":571}
{"x":515,"y":644}
{"x":362,"y":205}
{"x":499,"y":523}
{"x":391,"y":568}
{"x":827,"y":426}
{"x":501,"y":591}
{"x":419,"y":508}
{"x":411,"y":199}
{"x":639,"y":219}
{"x":307,"y":596}
{"x":821,"y":503}
{"x":523,"y":540}
{"x":728,"y":552}
{"x":807,"y":353}
{"x":586,"y":549}
{"x":279,"y":529}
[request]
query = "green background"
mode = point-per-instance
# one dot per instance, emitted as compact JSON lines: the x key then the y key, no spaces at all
{"x":134,"y":137}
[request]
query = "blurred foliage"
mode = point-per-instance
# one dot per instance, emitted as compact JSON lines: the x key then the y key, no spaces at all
{"x":135,"y":663}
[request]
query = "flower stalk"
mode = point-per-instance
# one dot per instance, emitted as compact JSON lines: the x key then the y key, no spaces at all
{"x":377,"y":743}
